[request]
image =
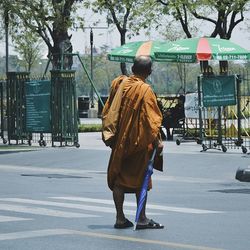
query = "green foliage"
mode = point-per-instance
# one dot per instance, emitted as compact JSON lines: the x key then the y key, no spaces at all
{"x":222,"y":16}
{"x":128,"y":16}
{"x":245,"y":132}
{"x":104,"y":72}
{"x":89,"y":128}
{"x":174,"y":78}
{"x":29,"y":46}
{"x":51,"y":19}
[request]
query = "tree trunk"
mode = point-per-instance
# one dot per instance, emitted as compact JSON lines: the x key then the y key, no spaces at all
{"x":223,"y":67}
{"x":61,"y":58}
{"x":123,"y":41}
{"x":204,"y":67}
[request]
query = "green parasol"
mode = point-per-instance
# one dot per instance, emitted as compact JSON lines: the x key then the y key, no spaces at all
{"x":128,"y":51}
{"x":200,"y":49}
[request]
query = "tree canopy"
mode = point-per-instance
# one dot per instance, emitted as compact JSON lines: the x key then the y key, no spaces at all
{"x":223,"y":15}
{"x":51,"y":20}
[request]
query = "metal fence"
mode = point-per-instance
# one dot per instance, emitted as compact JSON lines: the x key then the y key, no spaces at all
{"x":15,"y":110}
{"x":21,"y":121}
{"x":3,"y":103}
{"x":218,"y":126}
{"x":64,"y":120}
{"x":228,"y":126}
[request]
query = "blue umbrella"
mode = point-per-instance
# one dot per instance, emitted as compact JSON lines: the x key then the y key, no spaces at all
{"x":144,"y":188}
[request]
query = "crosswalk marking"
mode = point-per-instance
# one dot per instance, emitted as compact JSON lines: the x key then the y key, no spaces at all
{"x":34,"y":207}
{"x":32,"y":234}
{"x":149,"y":206}
{"x":31,"y":206}
{"x":11,"y":218}
{"x":70,"y":205}
{"x":43,"y":211}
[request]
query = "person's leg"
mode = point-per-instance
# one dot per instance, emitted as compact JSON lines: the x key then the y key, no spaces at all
{"x":143,"y":221}
{"x":121,"y":220}
{"x":169,"y":135}
{"x":118,"y":196}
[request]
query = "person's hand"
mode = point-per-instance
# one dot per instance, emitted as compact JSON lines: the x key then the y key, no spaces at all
{"x":159,"y":148}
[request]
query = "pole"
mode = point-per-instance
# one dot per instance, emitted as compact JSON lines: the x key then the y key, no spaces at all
{"x":238,"y":81}
{"x":91,"y":82}
{"x":200,"y":111}
{"x":91,"y":62}
{"x":6,"y":22}
{"x":91,"y":68}
{"x":184,"y":77}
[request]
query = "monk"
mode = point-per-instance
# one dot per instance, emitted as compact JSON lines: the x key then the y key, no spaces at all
{"x":138,"y":132}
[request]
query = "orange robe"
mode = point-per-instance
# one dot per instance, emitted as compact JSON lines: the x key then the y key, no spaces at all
{"x":139,"y":124}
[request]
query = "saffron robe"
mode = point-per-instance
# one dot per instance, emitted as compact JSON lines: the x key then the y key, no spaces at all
{"x":139,"y":122}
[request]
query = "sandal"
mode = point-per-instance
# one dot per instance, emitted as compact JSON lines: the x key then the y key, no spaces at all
{"x":126,"y":224}
{"x":150,"y":225}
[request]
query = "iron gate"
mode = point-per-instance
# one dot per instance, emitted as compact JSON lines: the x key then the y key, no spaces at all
{"x":15,"y":110}
{"x":64,"y":119}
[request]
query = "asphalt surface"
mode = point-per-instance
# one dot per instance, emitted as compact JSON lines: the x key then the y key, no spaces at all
{"x":57,"y":198}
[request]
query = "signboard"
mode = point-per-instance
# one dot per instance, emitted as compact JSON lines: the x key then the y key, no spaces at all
{"x":218,"y":91}
{"x":38,"y":112}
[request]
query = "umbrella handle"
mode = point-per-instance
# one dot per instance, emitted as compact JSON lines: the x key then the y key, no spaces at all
{"x":153,"y":155}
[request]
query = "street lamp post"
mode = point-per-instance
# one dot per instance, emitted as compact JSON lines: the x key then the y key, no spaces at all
{"x":91,"y":61}
{"x":91,"y":68}
{"x":6,"y":23}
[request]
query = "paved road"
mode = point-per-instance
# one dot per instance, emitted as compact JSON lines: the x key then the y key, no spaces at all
{"x":57,"y":198}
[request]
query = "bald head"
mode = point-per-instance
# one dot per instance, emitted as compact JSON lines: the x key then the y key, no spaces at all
{"x":142,"y":66}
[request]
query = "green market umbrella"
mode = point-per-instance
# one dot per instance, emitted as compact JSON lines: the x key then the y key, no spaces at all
{"x":128,"y":51}
{"x":201,"y":49}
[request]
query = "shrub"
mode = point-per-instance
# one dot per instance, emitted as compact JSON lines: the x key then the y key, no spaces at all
{"x":89,"y":128}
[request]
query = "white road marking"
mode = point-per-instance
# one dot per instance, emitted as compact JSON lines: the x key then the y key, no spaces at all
{"x":33,"y":234}
{"x":11,"y":218}
{"x":70,"y":205}
{"x":58,"y":232}
{"x":149,"y":206}
{"x":9,"y":168}
{"x":186,"y":179}
{"x":168,"y":244}
{"x":43,"y":211}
